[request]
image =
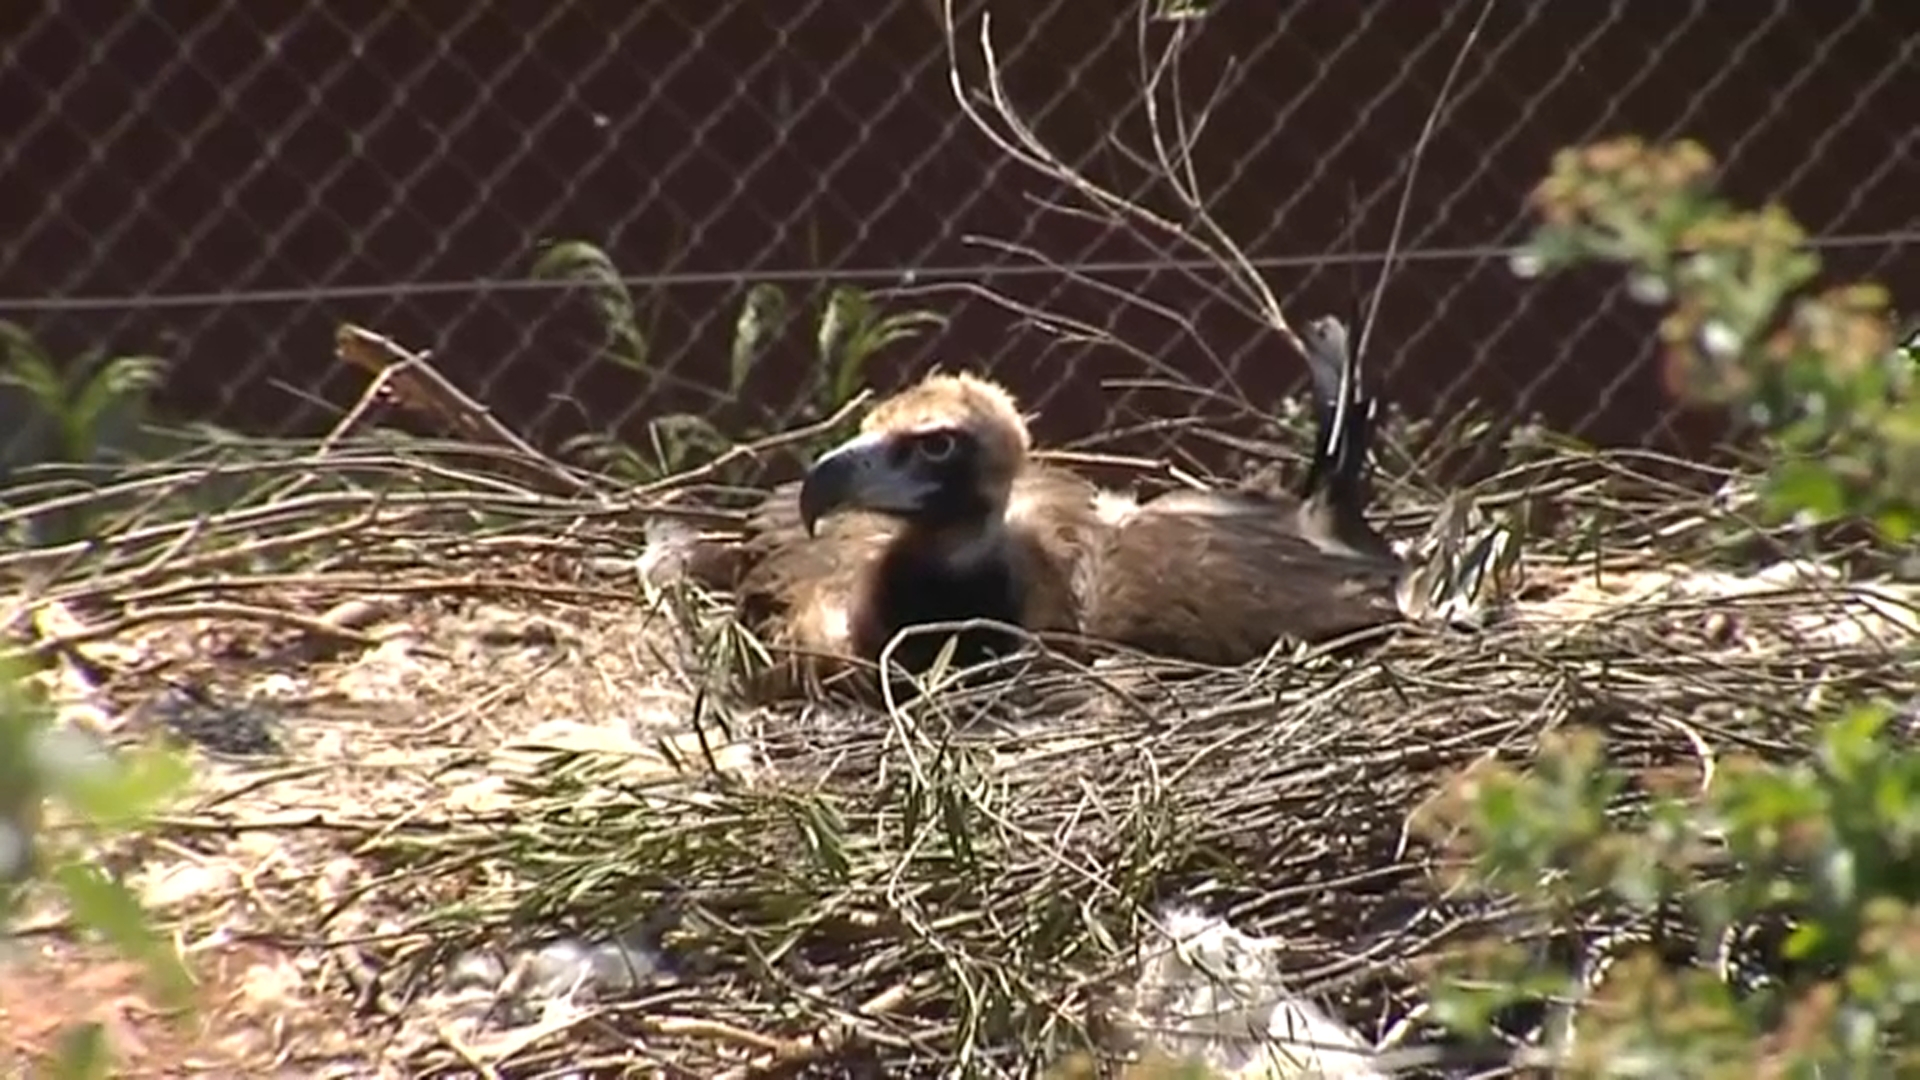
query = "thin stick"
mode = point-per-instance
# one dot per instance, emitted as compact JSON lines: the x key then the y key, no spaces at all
{"x":319,"y":628}
{"x":412,"y":380}
{"x":753,"y":450}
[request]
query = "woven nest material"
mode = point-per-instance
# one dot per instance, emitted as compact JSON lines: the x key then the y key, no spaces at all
{"x":985,"y":862}
{"x":963,"y":882}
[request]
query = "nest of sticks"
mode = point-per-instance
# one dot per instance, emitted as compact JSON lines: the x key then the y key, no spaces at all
{"x":965,"y":877}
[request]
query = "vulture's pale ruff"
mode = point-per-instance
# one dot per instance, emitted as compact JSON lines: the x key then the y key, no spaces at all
{"x":933,"y":513}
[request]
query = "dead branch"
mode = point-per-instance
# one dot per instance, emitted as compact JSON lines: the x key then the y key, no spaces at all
{"x":991,"y":110}
{"x":412,"y":382}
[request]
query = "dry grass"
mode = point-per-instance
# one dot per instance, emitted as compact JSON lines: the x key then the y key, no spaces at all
{"x":436,"y":710}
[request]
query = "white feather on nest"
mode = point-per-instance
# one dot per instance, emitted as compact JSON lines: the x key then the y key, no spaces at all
{"x":1209,"y":994}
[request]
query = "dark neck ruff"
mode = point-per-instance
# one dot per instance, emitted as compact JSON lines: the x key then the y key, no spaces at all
{"x":915,"y":586}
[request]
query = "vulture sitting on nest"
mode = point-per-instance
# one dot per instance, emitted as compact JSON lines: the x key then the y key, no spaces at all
{"x":934,"y":513}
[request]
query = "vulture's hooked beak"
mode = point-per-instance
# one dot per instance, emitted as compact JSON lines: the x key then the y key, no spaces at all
{"x":867,"y":472}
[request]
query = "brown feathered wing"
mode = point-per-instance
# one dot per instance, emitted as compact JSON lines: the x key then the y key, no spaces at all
{"x":1218,"y":578}
{"x":1221,"y":577}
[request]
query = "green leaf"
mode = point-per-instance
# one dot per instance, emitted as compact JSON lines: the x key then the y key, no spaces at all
{"x":30,"y":369}
{"x":677,"y":435}
{"x":83,"y":1052}
{"x":761,"y":316}
{"x":574,"y":260}
{"x":129,"y":788}
{"x":587,"y":265}
{"x":1898,"y":524}
{"x":110,"y":909}
{"x":1810,"y":487}
{"x":847,"y":311}
{"x":107,"y":403}
{"x":826,"y":838}
{"x":900,"y":327}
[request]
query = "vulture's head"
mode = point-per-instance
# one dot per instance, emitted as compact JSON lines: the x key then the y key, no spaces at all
{"x":941,"y":455}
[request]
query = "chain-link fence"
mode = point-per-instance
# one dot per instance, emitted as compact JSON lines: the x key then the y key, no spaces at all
{"x":221,"y":185}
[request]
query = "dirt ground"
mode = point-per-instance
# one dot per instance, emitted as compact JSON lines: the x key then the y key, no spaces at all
{"x":249,"y":1011}
{"x":299,"y":743}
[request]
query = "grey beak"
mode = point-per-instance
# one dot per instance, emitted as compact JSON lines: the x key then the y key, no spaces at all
{"x":828,"y":485}
{"x":862,"y":473}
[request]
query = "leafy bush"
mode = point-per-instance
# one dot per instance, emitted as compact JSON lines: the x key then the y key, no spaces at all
{"x":1827,"y":848}
{"x":88,"y":412}
{"x":94,"y":795}
{"x":1817,"y":373}
{"x":850,"y":330}
{"x":67,"y":421}
{"x":84,"y":411}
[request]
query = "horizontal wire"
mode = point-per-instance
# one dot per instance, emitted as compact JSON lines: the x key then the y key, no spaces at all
{"x":894,"y":275}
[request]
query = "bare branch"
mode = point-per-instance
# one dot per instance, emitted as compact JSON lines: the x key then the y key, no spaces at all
{"x":990,"y":109}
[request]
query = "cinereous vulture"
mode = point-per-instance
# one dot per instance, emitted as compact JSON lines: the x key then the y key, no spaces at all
{"x":934,"y":513}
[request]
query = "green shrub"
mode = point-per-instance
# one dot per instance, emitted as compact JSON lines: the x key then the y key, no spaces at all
{"x":1828,"y":845}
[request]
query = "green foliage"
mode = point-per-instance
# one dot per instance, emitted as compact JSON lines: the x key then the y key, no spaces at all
{"x":589,"y":267}
{"x":89,"y":412}
{"x":1832,"y":839}
{"x":848,"y":332}
{"x":762,"y":316}
{"x":852,"y":329}
{"x":97,"y":796}
{"x":1818,"y":372}
{"x":83,"y":412}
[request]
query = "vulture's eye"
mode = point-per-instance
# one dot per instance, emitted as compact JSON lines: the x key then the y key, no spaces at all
{"x":936,"y":446}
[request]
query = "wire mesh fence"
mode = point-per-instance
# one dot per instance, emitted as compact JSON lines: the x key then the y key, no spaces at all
{"x":221,"y":187}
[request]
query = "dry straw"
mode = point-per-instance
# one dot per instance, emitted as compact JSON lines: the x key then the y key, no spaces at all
{"x":959,"y":880}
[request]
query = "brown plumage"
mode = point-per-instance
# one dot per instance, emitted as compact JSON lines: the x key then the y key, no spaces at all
{"x":933,"y":513}
{"x":1220,"y":577}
